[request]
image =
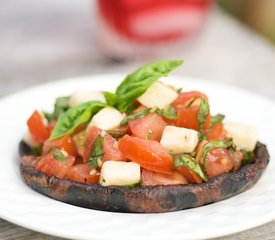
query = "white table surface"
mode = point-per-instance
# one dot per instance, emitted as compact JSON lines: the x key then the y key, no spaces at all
{"x":43,"y":41}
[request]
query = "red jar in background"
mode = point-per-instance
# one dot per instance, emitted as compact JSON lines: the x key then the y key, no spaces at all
{"x":139,"y":28}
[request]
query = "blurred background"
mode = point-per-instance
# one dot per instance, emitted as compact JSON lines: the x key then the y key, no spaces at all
{"x":227,"y":41}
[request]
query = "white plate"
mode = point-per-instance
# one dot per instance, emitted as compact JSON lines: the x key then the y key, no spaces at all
{"x":24,"y":207}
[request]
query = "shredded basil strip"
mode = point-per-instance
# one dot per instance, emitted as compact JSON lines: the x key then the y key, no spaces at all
{"x":136,"y":83}
{"x":36,"y":150}
{"x":116,"y":134}
{"x":202,"y":113}
{"x":215,"y":144}
{"x":111,"y":98}
{"x":191,"y":163}
{"x":247,"y":157}
{"x":96,"y":152}
{"x":216,"y":119}
{"x":168,"y":112}
{"x":58,"y":155}
{"x":74,"y":117}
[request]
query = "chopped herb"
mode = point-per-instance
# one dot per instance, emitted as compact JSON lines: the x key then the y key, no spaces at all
{"x":201,"y":136}
{"x":168,"y":112}
{"x":96,"y":152}
{"x":216,"y":119}
{"x":132,"y":185}
{"x":215,"y":144}
{"x":191,"y":163}
{"x":149,"y":135}
{"x":48,"y":116}
{"x":115,"y":134}
{"x":134,"y":116}
{"x":179,"y":90}
{"x":247,"y":157}
{"x":202,"y":113}
{"x":36,"y":150}
{"x":59,"y":156}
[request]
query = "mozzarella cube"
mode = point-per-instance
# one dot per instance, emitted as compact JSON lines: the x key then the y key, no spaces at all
{"x":119,"y":173}
{"x":179,"y":140}
{"x":244,"y":136}
{"x":158,"y":95}
{"x":106,"y":119}
{"x":82,"y":96}
{"x":27,"y":138}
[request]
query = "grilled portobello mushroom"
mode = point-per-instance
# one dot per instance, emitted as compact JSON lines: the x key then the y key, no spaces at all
{"x":150,"y":199}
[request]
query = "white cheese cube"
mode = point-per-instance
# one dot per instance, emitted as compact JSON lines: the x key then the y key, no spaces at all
{"x":179,"y":140}
{"x":158,"y":95}
{"x":244,"y":136}
{"x":82,"y":96}
{"x":106,"y":119}
{"x":119,"y":173}
{"x":27,"y":138}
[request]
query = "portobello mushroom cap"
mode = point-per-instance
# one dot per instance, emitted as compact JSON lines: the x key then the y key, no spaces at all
{"x":150,"y":199}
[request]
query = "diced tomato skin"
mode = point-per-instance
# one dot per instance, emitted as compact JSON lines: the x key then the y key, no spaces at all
{"x":218,"y":161}
{"x":52,"y":167}
{"x":29,"y":160}
{"x":81,"y":173}
{"x":170,"y":122}
{"x":66,"y":143}
{"x":150,"y":178}
{"x":237,"y":158}
{"x":151,"y":155}
{"x":151,"y":125}
{"x":187,"y":118}
{"x":184,"y":98}
{"x":111,"y":151}
{"x":190,"y":176}
{"x":39,"y":131}
{"x":217,"y":132}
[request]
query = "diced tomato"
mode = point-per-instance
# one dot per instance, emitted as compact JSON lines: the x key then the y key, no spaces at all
{"x":151,"y":155}
{"x":53,"y":167}
{"x":170,"y":122}
{"x":186,"y":97}
{"x":187,"y":117}
{"x":148,"y":127}
{"x":51,"y":125}
{"x":29,"y":160}
{"x":66,"y":143}
{"x":218,"y":161}
{"x":217,"y":132}
{"x":191,"y":176}
{"x":81,"y":173}
{"x":150,"y":178}
{"x":110,"y":148}
{"x":38,"y":129}
{"x":238,"y":158}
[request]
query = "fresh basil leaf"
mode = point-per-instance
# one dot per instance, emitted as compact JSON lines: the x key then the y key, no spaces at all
{"x":134,"y":116}
{"x":61,"y":106}
{"x":74,"y":117}
{"x":48,"y":116}
{"x":59,"y":156}
{"x":215,"y":144}
{"x":168,"y":112}
{"x":111,"y":98}
{"x":216,"y":119}
{"x":96,"y":152}
{"x":136,"y":83}
{"x":191,"y":163}
{"x":202,"y":113}
{"x":247,"y":157}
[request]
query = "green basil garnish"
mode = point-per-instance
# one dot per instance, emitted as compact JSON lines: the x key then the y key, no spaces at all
{"x":61,"y":106}
{"x":96,"y":152}
{"x":202,"y":113}
{"x":136,"y":83}
{"x":58,"y":155}
{"x":168,"y":112}
{"x":191,"y":163}
{"x":116,"y":134}
{"x":111,"y":98}
{"x":36,"y":150}
{"x":247,"y":157}
{"x":215,"y":144}
{"x":216,"y":119}
{"x":76,"y":116}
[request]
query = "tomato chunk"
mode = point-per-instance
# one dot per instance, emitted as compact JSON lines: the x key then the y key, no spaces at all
{"x":66,"y":143}
{"x":190,"y":176}
{"x":111,"y":151}
{"x":38,"y":129}
{"x":151,"y":155}
{"x":187,"y":117}
{"x":217,"y":132}
{"x":53,"y":167}
{"x":81,"y":173}
{"x":150,"y":178}
{"x":148,"y":127}
{"x":186,"y":97}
